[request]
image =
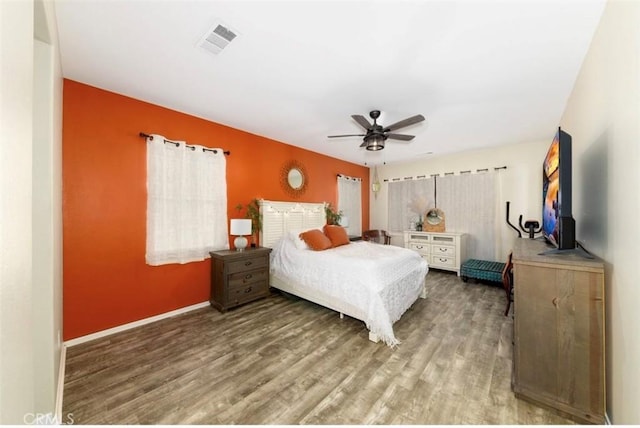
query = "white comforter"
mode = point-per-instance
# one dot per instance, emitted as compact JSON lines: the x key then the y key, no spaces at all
{"x":382,"y":281}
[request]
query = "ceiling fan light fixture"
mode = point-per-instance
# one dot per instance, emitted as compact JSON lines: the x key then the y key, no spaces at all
{"x":376,"y":135}
{"x":375,"y":143}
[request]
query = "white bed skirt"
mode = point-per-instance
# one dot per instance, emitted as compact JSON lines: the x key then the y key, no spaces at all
{"x":323,"y":299}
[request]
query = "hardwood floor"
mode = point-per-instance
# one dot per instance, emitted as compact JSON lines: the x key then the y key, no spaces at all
{"x":284,"y":361}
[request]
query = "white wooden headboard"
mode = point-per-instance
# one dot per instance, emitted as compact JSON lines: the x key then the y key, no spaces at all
{"x":279,"y":217}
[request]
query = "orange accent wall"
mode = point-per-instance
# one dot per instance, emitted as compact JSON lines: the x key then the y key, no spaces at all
{"x":106,"y":280}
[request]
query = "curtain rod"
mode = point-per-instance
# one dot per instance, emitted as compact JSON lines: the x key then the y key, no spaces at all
{"x":204,"y":149}
{"x":349,"y":178}
{"x":445,"y":174}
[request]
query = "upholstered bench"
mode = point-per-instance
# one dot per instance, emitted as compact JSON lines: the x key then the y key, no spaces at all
{"x":482,"y":269}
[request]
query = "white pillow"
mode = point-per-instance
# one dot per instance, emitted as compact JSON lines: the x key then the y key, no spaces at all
{"x":294,"y":236}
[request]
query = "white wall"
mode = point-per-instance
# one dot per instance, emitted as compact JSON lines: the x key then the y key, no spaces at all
{"x":47,"y":207}
{"x":521,"y":182}
{"x":603,"y":117}
{"x":16,"y":329}
{"x":30,"y":212}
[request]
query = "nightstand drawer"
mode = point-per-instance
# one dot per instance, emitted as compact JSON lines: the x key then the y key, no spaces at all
{"x":246,"y":293}
{"x":247,"y":264}
{"x":240,"y":279}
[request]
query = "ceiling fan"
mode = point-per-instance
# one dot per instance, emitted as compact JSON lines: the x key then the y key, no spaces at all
{"x":376,"y":134}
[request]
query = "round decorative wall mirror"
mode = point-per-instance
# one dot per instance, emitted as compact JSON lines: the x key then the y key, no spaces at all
{"x":294,"y":178}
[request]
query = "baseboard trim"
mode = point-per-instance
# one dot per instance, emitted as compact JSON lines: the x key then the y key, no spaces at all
{"x":129,"y":326}
{"x":60,"y":390}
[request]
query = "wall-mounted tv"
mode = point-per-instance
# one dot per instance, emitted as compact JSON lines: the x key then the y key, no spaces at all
{"x":558,"y":226}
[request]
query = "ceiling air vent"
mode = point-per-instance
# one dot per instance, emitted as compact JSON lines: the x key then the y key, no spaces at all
{"x":216,"y":39}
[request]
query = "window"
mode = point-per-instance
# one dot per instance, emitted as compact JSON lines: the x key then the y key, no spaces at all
{"x":350,"y":203}
{"x":186,"y":202}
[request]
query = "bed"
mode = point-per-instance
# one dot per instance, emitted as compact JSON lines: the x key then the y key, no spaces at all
{"x":370,"y":282}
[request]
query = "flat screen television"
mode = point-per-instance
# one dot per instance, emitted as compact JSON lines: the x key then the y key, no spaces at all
{"x":558,"y":225}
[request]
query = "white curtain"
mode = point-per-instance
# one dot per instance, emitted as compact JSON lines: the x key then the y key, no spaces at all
{"x":469,"y":203}
{"x":350,"y":203}
{"x":186,"y":202}
{"x":409,"y":200}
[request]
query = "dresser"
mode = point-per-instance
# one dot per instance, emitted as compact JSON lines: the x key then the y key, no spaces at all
{"x":238,"y":277}
{"x":559,"y":356}
{"x":442,"y":250}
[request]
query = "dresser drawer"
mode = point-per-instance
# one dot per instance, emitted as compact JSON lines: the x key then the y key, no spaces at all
{"x":246,"y":264}
{"x":419,"y":238}
{"x":240,"y":279}
{"x":451,"y":240}
{"x":443,"y":250}
{"x":444,"y":261}
{"x":419,"y":247}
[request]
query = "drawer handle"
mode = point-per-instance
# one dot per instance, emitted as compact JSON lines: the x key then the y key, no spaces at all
{"x":249,"y":263}
{"x":443,"y":250}
{"x":443,"y":260}
{"x":555,"y":302}
{"x":419,"y":247}
{"x":248,"y":276}
{"x":248,"y":290}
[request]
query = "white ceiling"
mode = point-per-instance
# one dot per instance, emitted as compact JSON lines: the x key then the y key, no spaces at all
{"x":483,"y":73}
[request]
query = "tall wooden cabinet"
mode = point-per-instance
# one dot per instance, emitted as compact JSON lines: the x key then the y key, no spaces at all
{"x":559,"y":331}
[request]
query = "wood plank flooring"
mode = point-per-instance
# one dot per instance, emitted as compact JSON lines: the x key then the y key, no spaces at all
{"x":283,"y":361}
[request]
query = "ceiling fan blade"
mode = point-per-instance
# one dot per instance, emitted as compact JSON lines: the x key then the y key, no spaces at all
{"x":401,"y":137}
{"x":364,"y":144}
{"x":406,"y":122}
{"x":361,"y":121}
{"x":346,"y":135}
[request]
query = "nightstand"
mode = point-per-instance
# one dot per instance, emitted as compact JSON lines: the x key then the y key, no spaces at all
{"x":354,"y":238}
{"x":238,"y":277}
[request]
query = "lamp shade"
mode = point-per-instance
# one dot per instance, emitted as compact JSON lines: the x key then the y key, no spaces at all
{"x":240,"y":226}
{"x":375,"y":143}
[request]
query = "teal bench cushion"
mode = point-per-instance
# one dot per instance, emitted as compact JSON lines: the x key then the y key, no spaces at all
{"x":482,"y":269}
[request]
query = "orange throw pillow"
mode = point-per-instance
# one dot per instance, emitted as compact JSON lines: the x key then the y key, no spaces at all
{"x":337,"y":235}
{"x":316,"y":240}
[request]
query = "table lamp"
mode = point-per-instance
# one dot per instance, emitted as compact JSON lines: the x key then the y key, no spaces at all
{"x":239,"y":228}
